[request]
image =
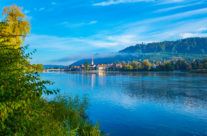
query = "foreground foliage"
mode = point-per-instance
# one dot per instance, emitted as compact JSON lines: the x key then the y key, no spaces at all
{"x":22,"y":109}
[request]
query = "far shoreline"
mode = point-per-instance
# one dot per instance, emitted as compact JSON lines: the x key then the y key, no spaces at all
{"x":117,"y":71}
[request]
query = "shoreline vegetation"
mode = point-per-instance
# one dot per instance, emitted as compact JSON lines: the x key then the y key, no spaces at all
{"x":23,"y":111}
{"x":194,"y":66}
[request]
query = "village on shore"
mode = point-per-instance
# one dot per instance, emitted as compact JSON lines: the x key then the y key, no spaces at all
{"x":172,"y":64}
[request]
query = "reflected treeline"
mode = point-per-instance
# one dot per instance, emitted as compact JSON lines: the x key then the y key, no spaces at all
{"x":118,"y":73}
{"x":183,"y":91}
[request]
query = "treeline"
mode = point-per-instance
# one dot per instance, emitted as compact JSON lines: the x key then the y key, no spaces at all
{"x":23,"y":111}
{"x":178,"y":65}
{"x":184,"y":46}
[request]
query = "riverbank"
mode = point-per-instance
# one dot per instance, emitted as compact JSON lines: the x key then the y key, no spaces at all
{"x":116,"y":71}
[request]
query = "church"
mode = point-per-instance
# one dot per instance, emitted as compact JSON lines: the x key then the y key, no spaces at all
{"x":92,"y":66}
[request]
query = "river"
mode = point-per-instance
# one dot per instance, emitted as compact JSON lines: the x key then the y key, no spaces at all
{"x":140,"y":104}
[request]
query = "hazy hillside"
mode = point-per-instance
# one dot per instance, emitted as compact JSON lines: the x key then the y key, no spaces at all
{"x":189,"y":46}
{"x":107,"y":60}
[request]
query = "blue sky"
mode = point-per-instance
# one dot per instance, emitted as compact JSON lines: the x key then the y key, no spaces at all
{"x":72,"y":29}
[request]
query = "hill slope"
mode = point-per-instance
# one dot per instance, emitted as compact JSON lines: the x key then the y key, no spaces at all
{"x":189,"y":46}
{"x":107,"y":60}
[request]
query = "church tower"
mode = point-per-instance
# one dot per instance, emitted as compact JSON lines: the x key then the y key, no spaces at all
{"x":92,"y":63}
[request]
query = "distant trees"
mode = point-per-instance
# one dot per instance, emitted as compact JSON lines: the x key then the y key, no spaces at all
{"x":136,"y":65}
{"x":179,"y":65}
{"x":146,"y":65}
{"x":86,"y":66}
{"x":166,"y":66}
{"x":182,"y":65}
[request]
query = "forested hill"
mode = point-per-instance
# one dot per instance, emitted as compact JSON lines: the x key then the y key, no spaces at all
{"x":189,"y":45}
{"x":190,"y":48}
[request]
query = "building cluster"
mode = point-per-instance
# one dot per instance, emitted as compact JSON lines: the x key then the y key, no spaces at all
{"x":92,"y":66}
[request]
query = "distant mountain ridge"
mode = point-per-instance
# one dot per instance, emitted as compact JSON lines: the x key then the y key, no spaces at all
{"x":188,"y":45}
{"x":106,"y":60}
{"x":188,"y":48}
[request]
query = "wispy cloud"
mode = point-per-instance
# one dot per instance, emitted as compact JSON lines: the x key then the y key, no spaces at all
{"x":51,"y":42}
{"x":74,"y":25}
{"x":178,"y":7}
{"x":202,"y":29}
{"x":53,"y":3}
{"x":170,"y":17}
{"x":192,"y":28}
{"x":73,"y":58}
{"x":93,"y":22}
{"x":39,"y":9}
{"x":172,"y":1}
{"x":187,"y":35}
{"x":26,"y":11}
{"x":113,"y":2}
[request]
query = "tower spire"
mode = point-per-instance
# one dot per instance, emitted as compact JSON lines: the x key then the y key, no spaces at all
{"x":92,"y":63}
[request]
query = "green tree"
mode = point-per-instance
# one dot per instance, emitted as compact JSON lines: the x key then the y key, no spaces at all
{"x":38,"y":67}
{"x":146,"y":65}
{"x":136,"y":65}
{"x":14,"y":27}
{"x":166,"y":66}
{"x":124,"y":65}
{"x":182,"y":65}
{"x":205,"y":65}
{"x":86,"y":66}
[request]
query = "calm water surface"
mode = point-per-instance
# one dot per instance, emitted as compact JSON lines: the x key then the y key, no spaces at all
{"x":141,"y":104}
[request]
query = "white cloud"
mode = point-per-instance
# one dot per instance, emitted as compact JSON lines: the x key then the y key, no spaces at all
{"x":93,"y":22}
{"x":113,"y":2}
{"x":188,"y":35}
{"x":181,"y":30}
{"x":67,"y":43}
{"x":53,"y":3}
{"x":202,"y":29}
{"x":124,"y":39}
{"x":172,"y":1}
{"x":26,"y":11}
{"x":41,"y":9}
{"x":80,"y":24}
{"x":87,"y":56}
{"x":48,"y":42}
{"x":178,"y":7}
{"x":103,"y":44}
{"x":169,"y":17}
